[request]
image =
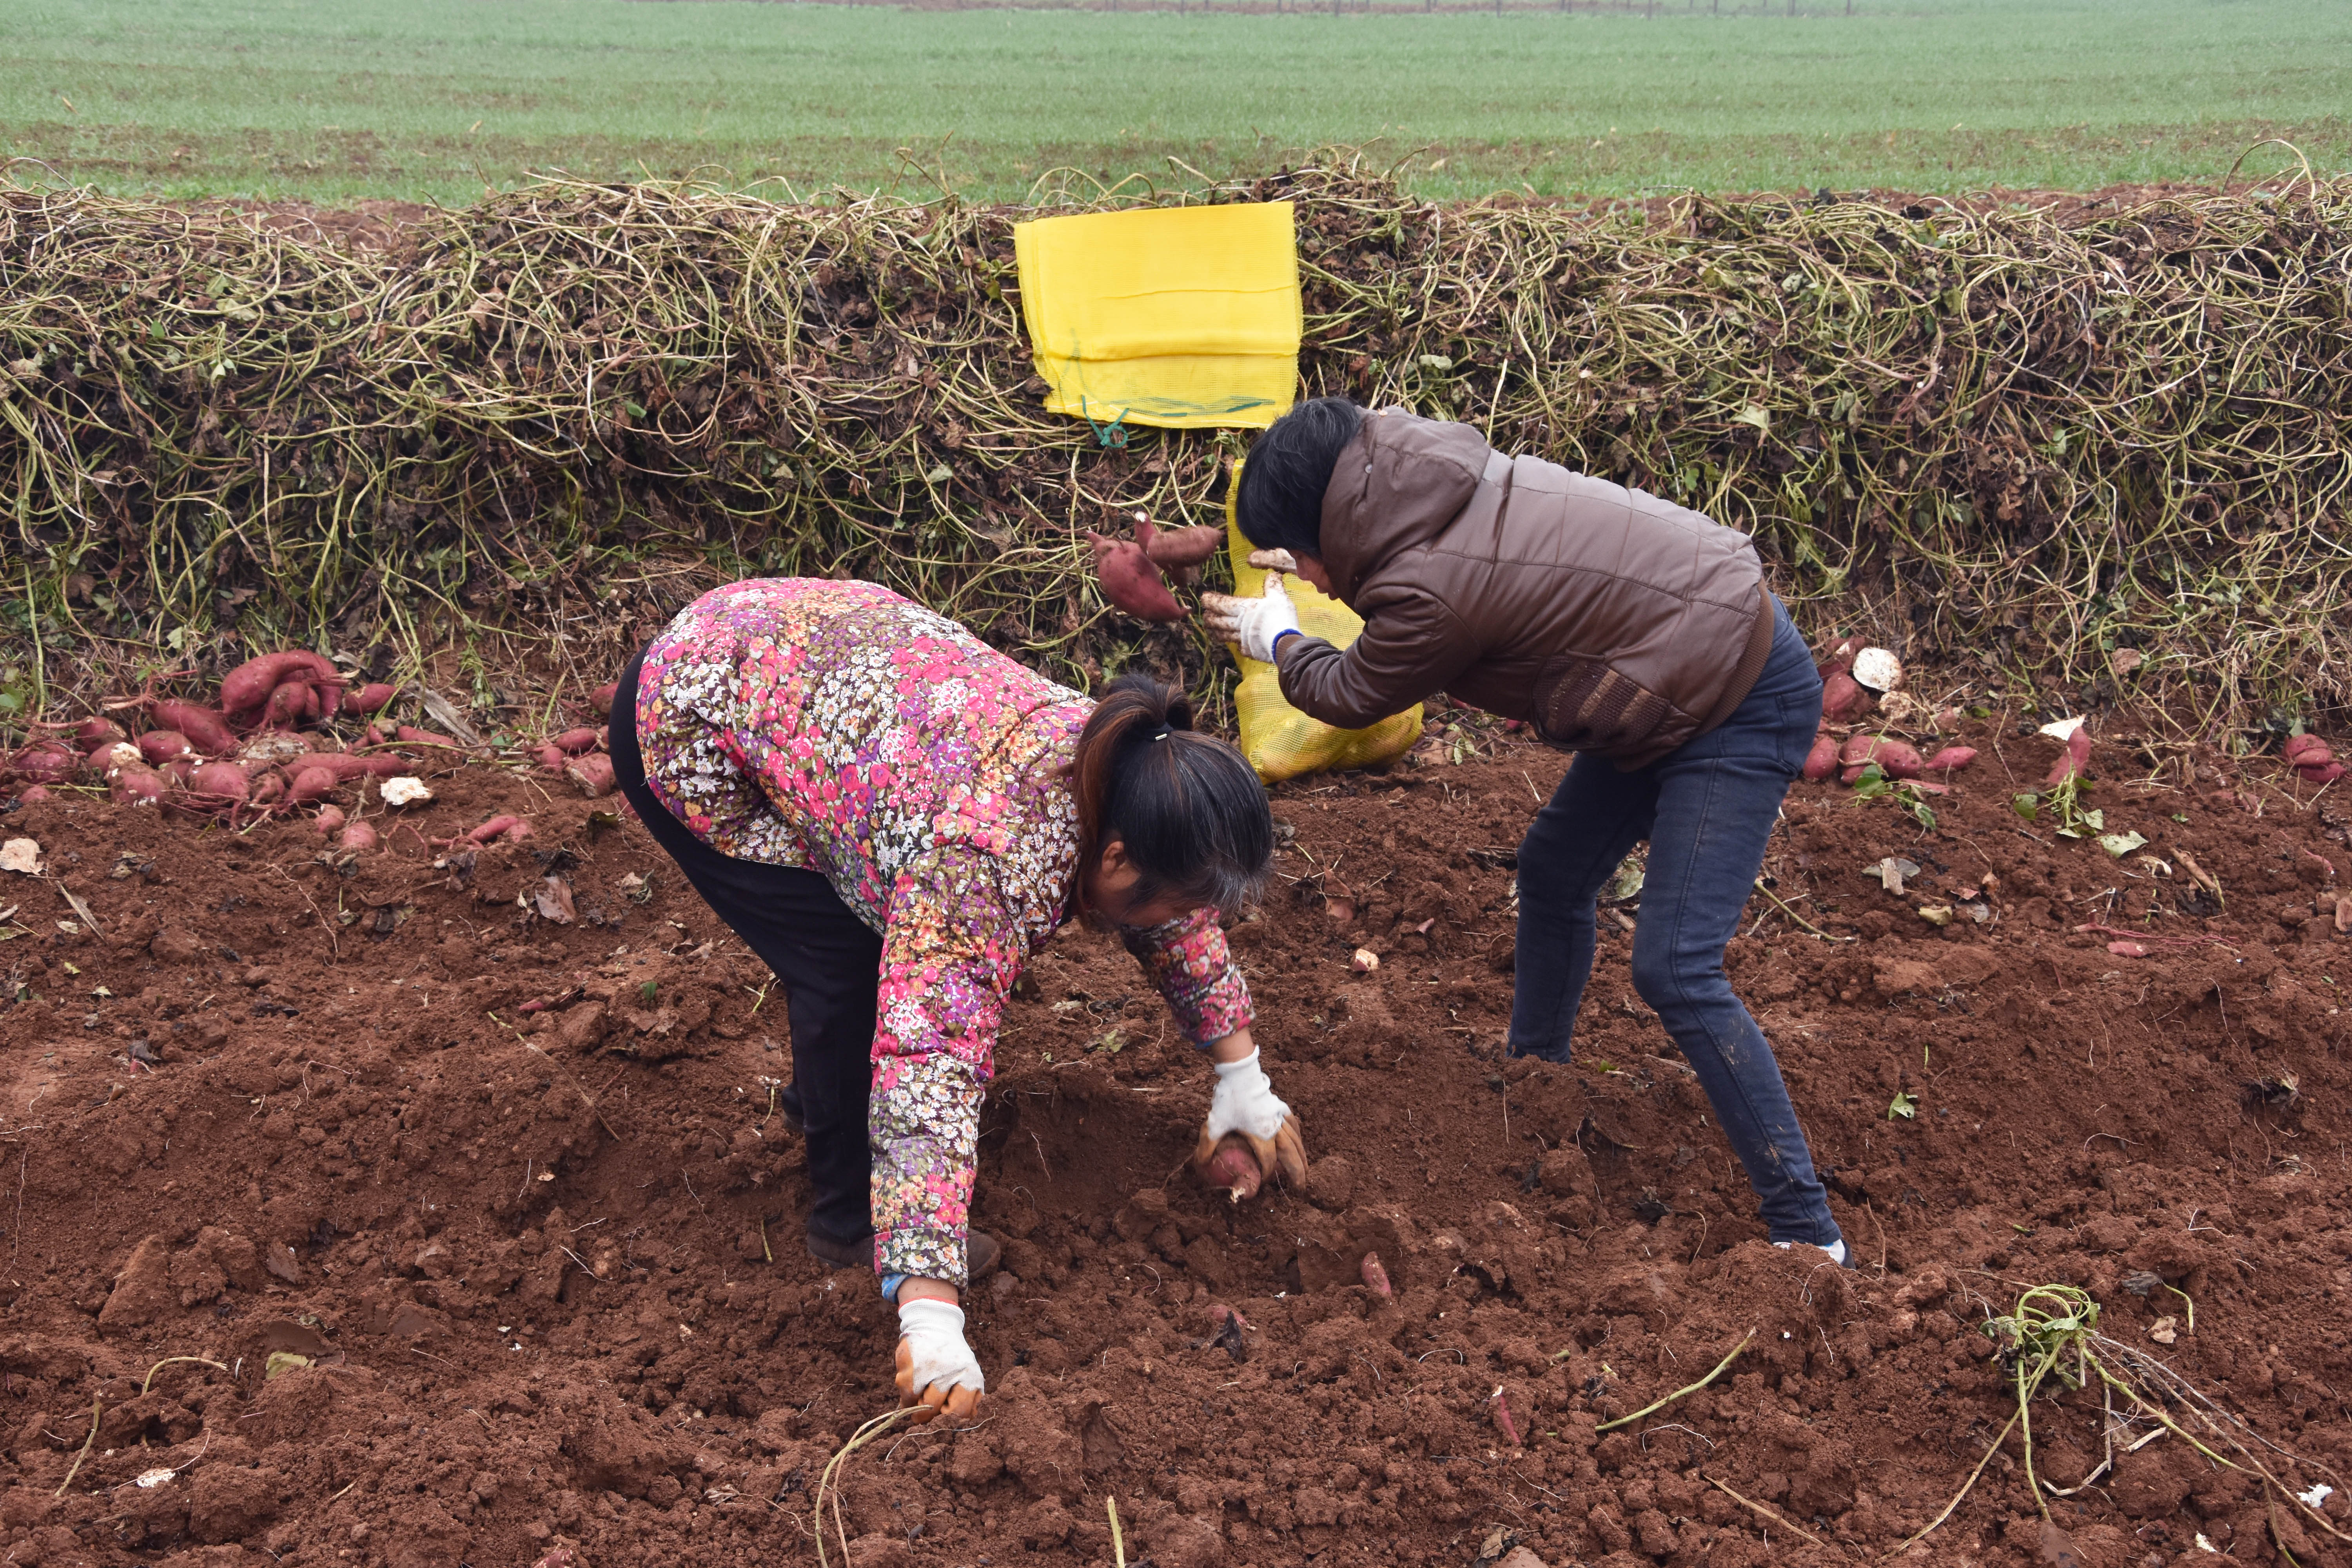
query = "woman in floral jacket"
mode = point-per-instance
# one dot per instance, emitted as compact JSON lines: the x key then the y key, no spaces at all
{"x":895,"y":817}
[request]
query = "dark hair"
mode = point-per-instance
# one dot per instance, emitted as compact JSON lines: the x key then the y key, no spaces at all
{"x":1191,"y":812}
{"x":1289,"y":468}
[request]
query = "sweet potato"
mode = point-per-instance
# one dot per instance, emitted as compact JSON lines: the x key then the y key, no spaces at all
{"x":1233,"y":1168}
{"x":1895,"y":759}
{"x":245,"y":689}
{"x":1177,"y":549}
{"x":160,"y":746}
{"x":1899,"y":760}
{"x":93,"y":733}
{"x":2326,"y":774}
{"x":2297,"y":750}
{"x":551,"y":757}
{"x":416,"y":737}
{"x":600,"y":700}
{"x":136,"y":785}
{"x":1950,"y":760}
{"x":1131,"y":582}
{"x":1376,"y":1277}
{"x":329,"y":820}
{"x":223,"y":781}
{"x":179,"y":770}
{"x":513,"y":829}
{"x":288,"y":705}
{"x":356,"y":836}
{"x":45,"y":762}
{"x":252,"y":684}
{"x":1841,"y":698}
{"x":2076,"y":760}
{"x":269,"y":788}
{"x":369,"y":698}
{"x":1836,"y":654}
{"x":574,"y":741}
{"x":1822,"y":760}
{"x":349,"y":765}
{"x":33,"y":794}
{"x":207,"y":729}
{"x":312,"y":784}
{"x":592,"y":774}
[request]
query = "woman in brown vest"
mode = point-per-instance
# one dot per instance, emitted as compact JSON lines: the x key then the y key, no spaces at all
{"x":1620,"y":626}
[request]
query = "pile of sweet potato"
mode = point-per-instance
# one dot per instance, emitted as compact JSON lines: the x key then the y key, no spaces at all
{"x":279,"y":735}
{"x":1847,"y":699}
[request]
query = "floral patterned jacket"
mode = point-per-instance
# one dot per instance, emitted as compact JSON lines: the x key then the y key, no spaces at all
{"x":840,"y":727}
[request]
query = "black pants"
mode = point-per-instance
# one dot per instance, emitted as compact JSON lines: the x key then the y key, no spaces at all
{"x":828,"y":962}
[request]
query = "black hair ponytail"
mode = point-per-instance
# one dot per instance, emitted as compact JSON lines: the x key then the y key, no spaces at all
{"x":1190,"y":811}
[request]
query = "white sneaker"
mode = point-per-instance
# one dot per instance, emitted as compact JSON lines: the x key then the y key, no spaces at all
{"x":1836,"y":1249}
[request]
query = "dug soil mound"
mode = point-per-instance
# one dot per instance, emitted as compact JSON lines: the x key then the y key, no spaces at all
{"x":459,"y":1190}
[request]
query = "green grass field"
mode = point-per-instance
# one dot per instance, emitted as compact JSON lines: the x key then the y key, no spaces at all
{"x":431,"y":100}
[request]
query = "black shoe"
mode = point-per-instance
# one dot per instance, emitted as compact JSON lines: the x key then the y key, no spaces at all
{"x":834,"y":1253}
{"x":789,"y":1102}
{"x":981,"y":1254}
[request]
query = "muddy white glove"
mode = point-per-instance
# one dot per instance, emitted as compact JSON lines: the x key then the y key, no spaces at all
{"x":1253,"y":624}
{"x":935,"y":1366}
{"x":1244,"y":1102}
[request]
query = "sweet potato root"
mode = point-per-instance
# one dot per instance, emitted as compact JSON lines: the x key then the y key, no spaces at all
{"x":136,"y":785}
{"x":369,"y":698}
{"x":251,"y":684}
{"x":592,"y":774}
{"x":161,"y":746}
{"x":1950,"y":760}
{"x":45,"y":762}
{"x":1895,"y":759}
{"x":1375,"y":1277}
{"x":573,"y":742}
{"x":1822,"y":762}
{"x":1235,"y":1169}
{"x":2077,"y":759}
{"x":207,"y":729}
{"x":1841,"y":700}
{"x":1131,"y":582}
{"x":93,"y":733}
{"x":312,"y":784}
{"x":356,"y":836}
{"x":221,"y":782}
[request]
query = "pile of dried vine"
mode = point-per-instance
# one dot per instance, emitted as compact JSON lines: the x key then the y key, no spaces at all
{"x":1995,"y":435}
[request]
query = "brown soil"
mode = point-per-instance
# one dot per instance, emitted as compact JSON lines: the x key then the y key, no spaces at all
{"x":367,"y":1137}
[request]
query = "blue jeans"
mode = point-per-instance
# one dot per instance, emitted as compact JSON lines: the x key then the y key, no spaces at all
{"x":1706,"y":808}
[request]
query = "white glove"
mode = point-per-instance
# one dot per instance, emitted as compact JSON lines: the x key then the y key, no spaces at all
{"x":1253,"y":624}
{"x":1244,"y":1101}
{"x":935,"y":1366}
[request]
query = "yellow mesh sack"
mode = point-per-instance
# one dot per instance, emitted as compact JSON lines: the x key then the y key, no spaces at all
{"x":1186,"y":318}
{"x":1279,"y":740}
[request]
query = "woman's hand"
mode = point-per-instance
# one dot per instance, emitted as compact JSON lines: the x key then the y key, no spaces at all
{"x":1253,"y":624}
{"x":1244,"y":1102}
{"x":937,"y":1369}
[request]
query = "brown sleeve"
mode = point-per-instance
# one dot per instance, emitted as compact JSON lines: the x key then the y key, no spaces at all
{"x":1412,"y":645}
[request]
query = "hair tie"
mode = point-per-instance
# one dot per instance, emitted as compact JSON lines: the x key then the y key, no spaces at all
{"x":1160,"y":734}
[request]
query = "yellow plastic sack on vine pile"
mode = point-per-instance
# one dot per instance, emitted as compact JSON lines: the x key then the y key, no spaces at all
{"x":1279,"y":740}
{"x":1187,"y":318}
